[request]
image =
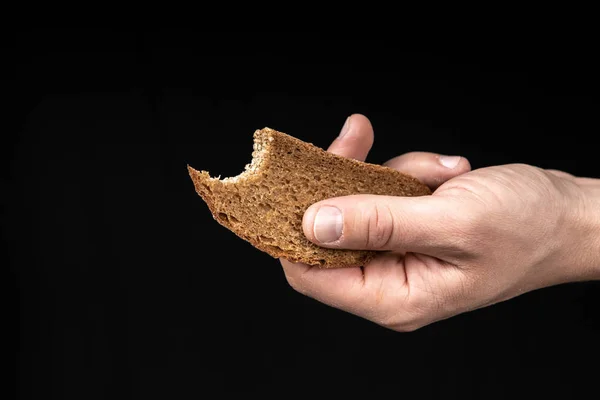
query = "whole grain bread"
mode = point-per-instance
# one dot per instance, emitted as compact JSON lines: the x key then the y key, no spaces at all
{"x":265,"y":204}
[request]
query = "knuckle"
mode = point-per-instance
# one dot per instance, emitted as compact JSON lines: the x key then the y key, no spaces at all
{"x":417,"y":311}
{"x":408,"y":319}
{"x":409,"y":327}
{"x":296,"y":282}
{"x":379,"y":222}
{"x":405,"y":323}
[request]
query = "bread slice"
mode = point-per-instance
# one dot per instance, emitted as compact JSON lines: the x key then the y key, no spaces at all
{"x":265,"y":204}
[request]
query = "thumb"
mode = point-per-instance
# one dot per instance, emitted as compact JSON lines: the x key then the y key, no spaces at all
{"x":423,"y":224}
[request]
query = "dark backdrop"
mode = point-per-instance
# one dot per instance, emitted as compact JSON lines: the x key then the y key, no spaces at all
{"x":122,"y":285}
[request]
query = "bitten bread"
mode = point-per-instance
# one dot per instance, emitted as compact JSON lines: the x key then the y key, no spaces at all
{"x":265,"y":204}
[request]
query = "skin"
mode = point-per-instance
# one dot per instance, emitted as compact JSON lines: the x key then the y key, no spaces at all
{"x":483,"y":237}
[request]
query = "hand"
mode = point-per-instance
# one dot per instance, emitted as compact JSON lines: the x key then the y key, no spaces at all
{"x":484,"y":236}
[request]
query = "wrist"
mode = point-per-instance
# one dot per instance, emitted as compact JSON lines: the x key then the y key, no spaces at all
{"x":586,"y":238}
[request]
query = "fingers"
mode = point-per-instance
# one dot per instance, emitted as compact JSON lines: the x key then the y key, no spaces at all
{"x":382,"y":293}
{"x":351,"y":289}
{"x":370,"y":222}
{"x":342,"y":288}
{"x":355,"y":139}
{"x":430,"y":168}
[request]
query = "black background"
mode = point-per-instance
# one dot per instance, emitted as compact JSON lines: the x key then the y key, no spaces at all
{"x":122,"y":285}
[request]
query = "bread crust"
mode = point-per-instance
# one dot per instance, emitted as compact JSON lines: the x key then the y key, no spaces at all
{"x":264,"y":205}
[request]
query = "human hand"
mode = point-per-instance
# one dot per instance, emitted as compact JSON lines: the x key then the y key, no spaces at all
{"x":482,"y":237}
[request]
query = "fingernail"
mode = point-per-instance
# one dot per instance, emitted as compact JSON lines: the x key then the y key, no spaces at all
{"x":345,"y":128}
{"x":449,"y":161}
{"x":328,"y":224}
